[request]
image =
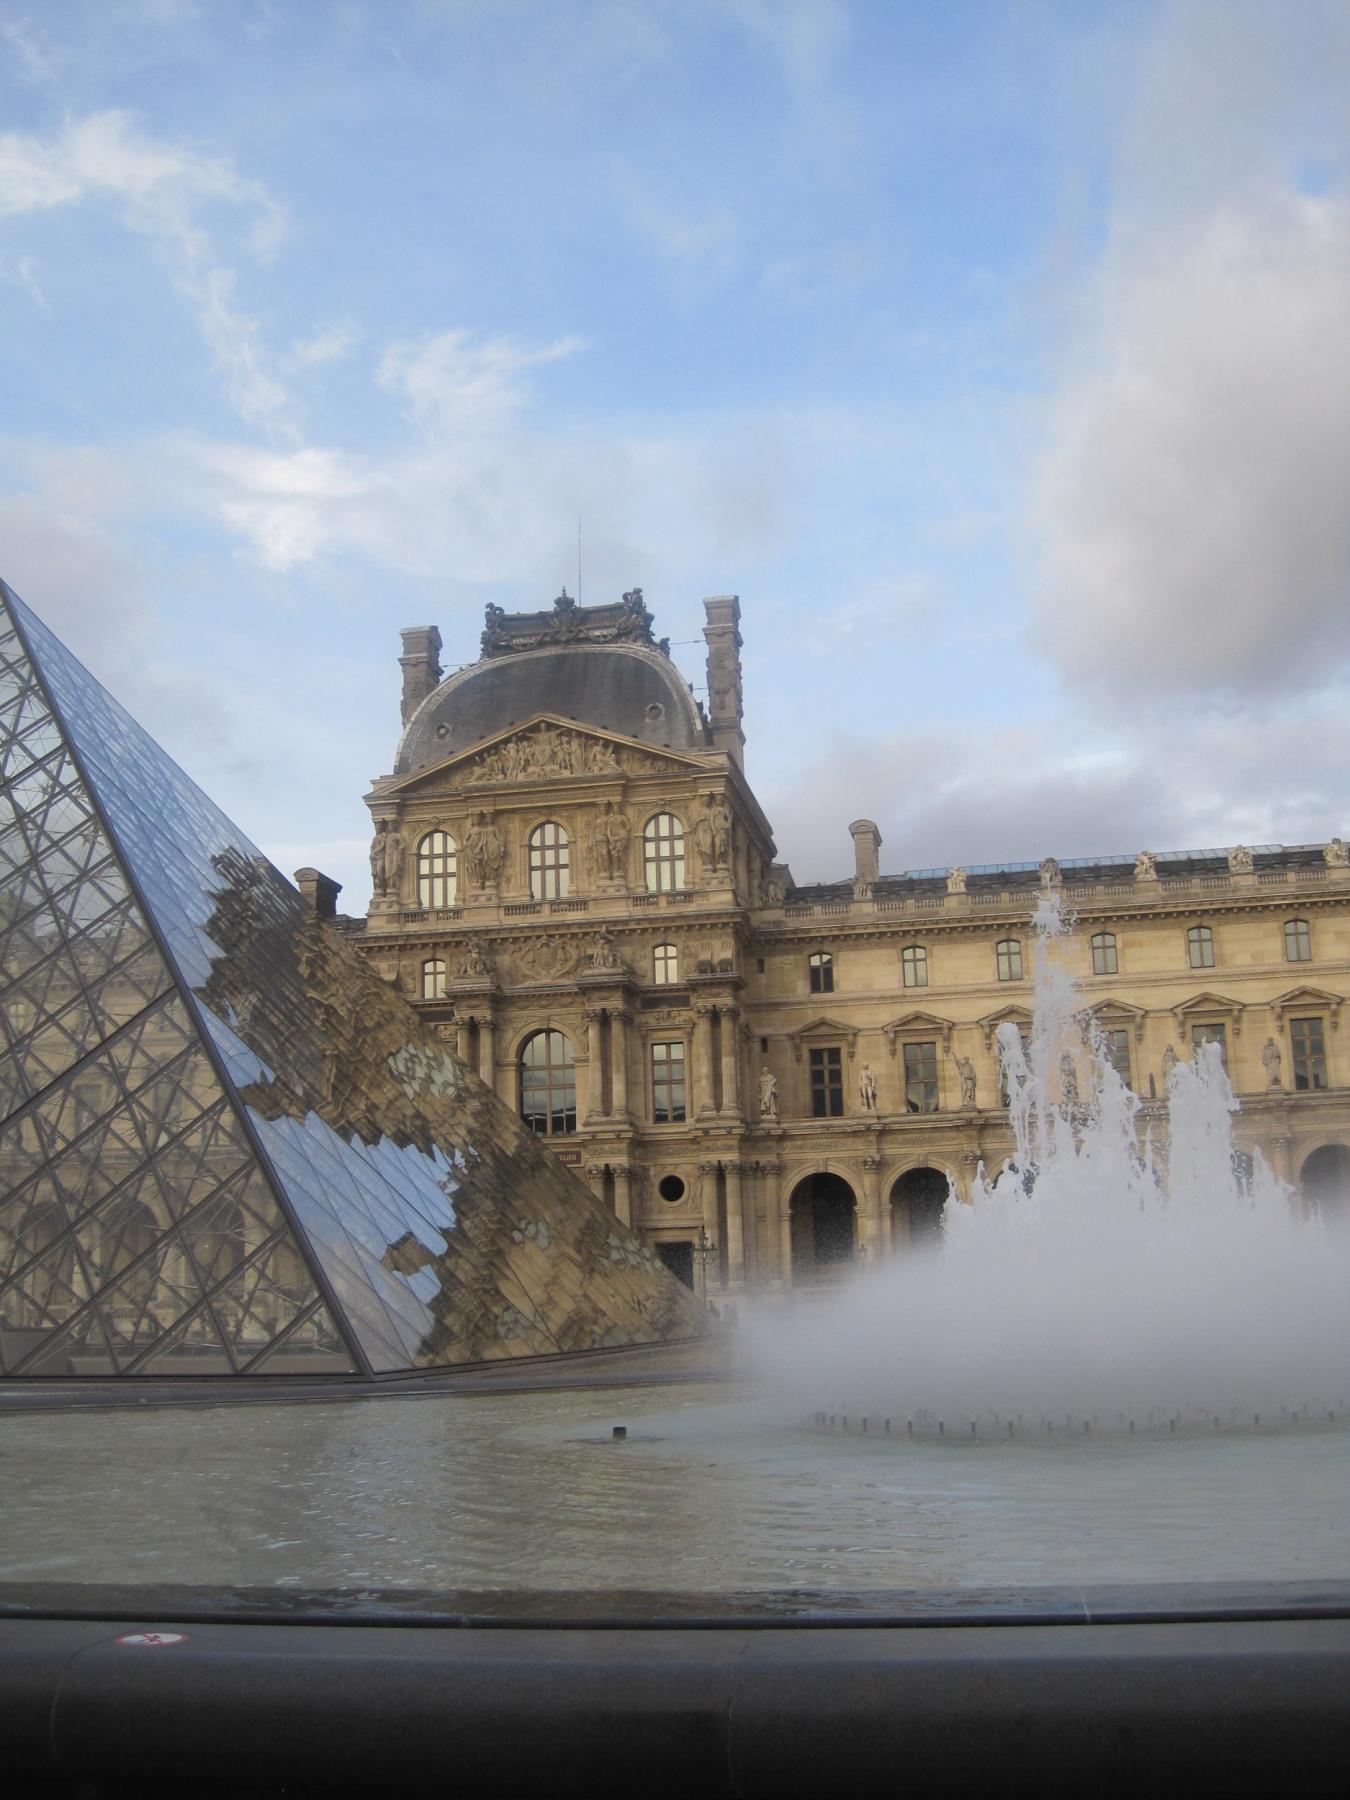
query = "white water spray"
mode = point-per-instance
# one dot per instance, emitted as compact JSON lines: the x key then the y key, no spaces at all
{"x":1098,"y":1281}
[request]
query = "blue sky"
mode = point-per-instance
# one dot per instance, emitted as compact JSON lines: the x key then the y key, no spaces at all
{"x":995,"y":354}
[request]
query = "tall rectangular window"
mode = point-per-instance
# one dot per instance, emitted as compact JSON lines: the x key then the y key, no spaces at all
{"x":1211,"y":1034}
{"x":921,"y":1078}
{"x":827,"y":1084}
{"x":1104,"y":958}
{"x":668,"y":1083}
{"x":1200,"y":947}
{"x":1297,"y":941}
{"x":1117,"y":1047}
{"x":821,"y":968}
{"x":1308,"y":1043}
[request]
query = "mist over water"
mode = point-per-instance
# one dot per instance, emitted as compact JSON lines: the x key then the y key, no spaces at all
{"x":1099,"y":1277}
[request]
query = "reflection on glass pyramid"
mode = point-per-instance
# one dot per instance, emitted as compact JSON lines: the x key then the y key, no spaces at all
{"x":225,"y":1145}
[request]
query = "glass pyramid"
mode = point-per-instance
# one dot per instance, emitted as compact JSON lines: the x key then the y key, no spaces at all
{"x":226,"y":1146}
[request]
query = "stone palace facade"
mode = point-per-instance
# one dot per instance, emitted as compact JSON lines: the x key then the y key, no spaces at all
{"x":575,"y":883}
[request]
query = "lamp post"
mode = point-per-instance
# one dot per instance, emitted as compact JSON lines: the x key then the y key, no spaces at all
{"x":703,"y":1249}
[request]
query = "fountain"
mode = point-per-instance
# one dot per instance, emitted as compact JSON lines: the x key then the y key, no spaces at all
{"x":1101,"y":1281}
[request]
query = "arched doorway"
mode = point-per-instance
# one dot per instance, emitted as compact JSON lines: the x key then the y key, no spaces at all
{"x":823,"y":1212}
{"x":918,"y":1201}
{"x":1326,"y":1183}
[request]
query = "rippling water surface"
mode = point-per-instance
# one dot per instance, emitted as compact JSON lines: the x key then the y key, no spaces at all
{"x":713,"y":1492}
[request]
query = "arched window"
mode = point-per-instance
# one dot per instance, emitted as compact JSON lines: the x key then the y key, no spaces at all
{"x":548,"y":1084}
{"x":550,"y":862}
{"x":914,"y":966}
{"x":1297,"y":941}
{"x":437,"y":871}
{"x":1008,"y":959}
{"x":663,"y":853}
{"x":665,"y":965}
{"x":1200,"y":947}
{"x":1104,"y":959}
{"x":433,"y":979}
{"x":821,"y":970}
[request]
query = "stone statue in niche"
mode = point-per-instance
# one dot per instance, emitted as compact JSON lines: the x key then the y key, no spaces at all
{"x":701,"y":836}
{"x":956,"y":881}
{"x":721,"y":822}
{"x":394,"y":854}
{"x":1051,"y":874}
{"x":477,"y":964}
{"x":609,"y":840}
{"x":484,"y":852}
{"x":603,"y":954}
{"x":1336,"y":855}
{"x":1146,"y":866}
{"x":1271,"y":1060}
{"x":1068,"y":1080}
{"x":867,"y":1088}
{"x":1239,"y":860}
{"x":768,"y":1094}
{"x":379,"y":878}
{"x":965,"y":1069}
{"x":1169,"y":1062}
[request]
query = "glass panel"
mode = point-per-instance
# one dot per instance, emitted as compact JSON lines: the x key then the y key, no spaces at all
{"x":410,"y":1197}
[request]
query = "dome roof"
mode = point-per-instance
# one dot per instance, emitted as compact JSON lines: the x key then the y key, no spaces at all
{"x":630,"y":689}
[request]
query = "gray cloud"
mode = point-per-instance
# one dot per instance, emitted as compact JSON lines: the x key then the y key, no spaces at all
{"x":1065,"y":789}
{"x":1189,"y":507}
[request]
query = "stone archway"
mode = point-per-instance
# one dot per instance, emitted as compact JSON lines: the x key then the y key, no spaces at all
{"x":1325,"y":1181}
{"x":823,"y":1210}
{"x":918,"y":1201}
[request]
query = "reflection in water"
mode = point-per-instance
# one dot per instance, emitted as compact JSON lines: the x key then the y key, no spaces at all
{"x":225,"y":1145}
{"x":527,"y":1493}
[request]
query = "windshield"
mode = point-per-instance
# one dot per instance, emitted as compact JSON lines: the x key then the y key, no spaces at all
{"x":726,"y":1121}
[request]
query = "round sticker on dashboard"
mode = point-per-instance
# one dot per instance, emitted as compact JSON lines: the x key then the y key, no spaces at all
{"x":153,"y":1639}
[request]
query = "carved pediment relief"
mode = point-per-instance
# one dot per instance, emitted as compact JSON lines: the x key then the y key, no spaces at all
{"x":911,"y":1024}
{"x":1117,"y":1015}
{"x":547,"y":748}
{"x":1209,"y":1006}
{"x":1006,"y":1015}
{"x":1307,"y":999}
{"x":823,"y":1030}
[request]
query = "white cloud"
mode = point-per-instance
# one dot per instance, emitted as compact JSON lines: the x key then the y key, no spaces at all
{"x":454,"y":382}
{"x":23,"y":273}
{"x":700,"y":249}
{"x":39,"y":60}
{"x":163,"y":191}
{"x":330,"y":345}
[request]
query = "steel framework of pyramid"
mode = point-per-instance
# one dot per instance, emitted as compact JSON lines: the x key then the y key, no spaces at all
{"x":226,"y":1146}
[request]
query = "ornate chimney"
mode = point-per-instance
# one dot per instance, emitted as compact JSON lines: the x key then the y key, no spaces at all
{"x":866,"y":856}
{"x":724,"y":674}
{"x":421,"y":666}
{"x":319,"y":892}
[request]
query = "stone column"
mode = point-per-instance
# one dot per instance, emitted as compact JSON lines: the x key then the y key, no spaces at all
{"x":623,"y":1197}
{"x":595,"y":1175}
{"x":703,"y":1059}
{"x":618,"y":1049}
{"x":462,"y":1039}
{"x":731,"y":1087}
{"x":735,"y":1226}
{"x":869,"y":1213}
{"x":1281,"y":1161}
{"x":487,"y":1054}
{"x":595,"y":1075}
{"x":785,"y":1239}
